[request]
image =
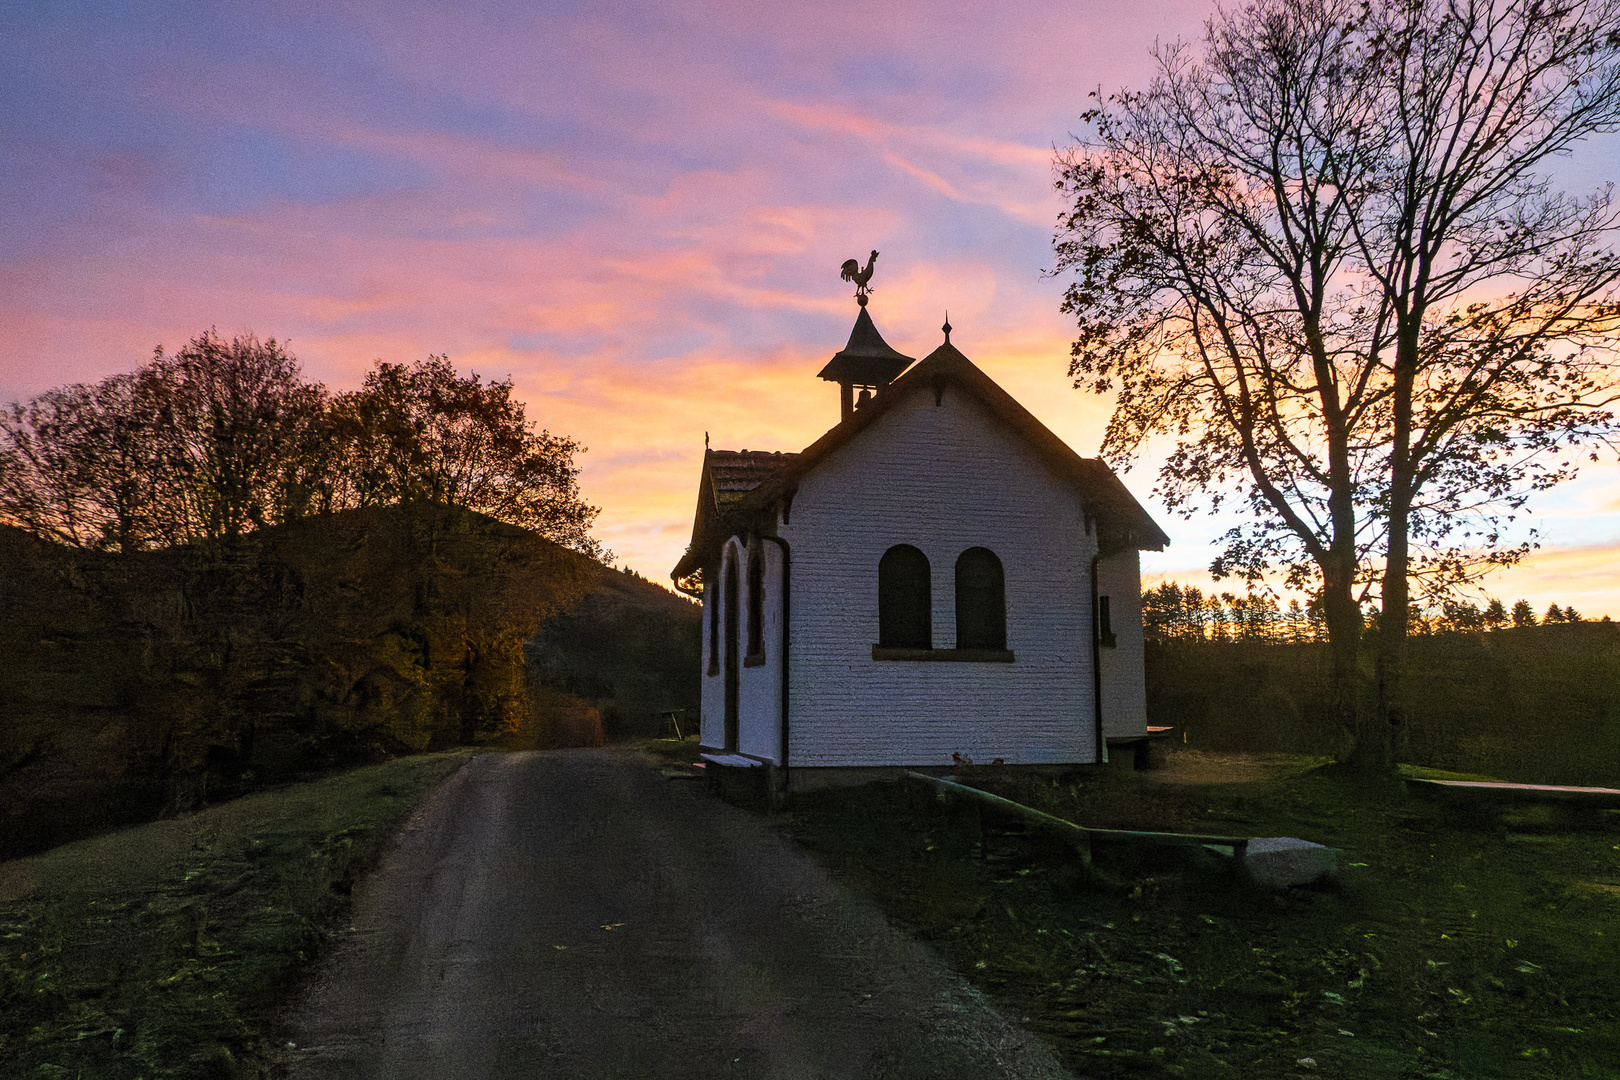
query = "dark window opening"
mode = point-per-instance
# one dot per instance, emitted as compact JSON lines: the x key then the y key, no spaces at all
{"x":714,"y":624}
{"x":981,"y":601}
{"x":756,"y":603}
{"x":905,"y":617}
{"x":732,"y":686}
{"x":1105,"y":623}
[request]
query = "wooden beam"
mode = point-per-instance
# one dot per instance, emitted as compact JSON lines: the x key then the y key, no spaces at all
{"x":1487,"y":790}
{"x":1079,"y":836}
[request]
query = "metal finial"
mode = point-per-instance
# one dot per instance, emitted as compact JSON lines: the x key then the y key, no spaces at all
{"x":705,"y":440}
{"x":852,"y":272}
{"x":947,"y":328}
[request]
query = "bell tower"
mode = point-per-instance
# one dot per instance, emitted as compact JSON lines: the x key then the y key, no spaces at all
{"x":867,"y":363}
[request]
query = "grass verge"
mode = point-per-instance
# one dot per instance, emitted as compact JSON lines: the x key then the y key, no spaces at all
{"x":164,"y":950}
{"x":1459,"y":946}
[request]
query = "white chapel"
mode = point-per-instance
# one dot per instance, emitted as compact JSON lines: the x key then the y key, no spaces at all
{"x":938,"y":578}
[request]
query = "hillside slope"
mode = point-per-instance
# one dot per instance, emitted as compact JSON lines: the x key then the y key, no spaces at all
{"x":630,"y":647}
{"x":159,"y":681}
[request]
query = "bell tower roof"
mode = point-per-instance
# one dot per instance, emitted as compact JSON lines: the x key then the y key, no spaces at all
{"x":867,"y":360}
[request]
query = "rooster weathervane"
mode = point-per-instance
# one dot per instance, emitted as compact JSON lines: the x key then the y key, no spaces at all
{"x":852,"y":272}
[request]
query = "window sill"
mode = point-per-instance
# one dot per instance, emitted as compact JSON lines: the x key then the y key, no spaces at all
{"x":754,"y":660}
{"x":959,"y":656}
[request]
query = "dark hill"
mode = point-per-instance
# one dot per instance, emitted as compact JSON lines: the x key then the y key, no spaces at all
{"x":630,"y":647}
{"x":136,"y":685}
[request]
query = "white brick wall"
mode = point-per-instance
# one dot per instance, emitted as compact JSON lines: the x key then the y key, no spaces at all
{"x":760,"y":687}
{"x":943,"y":478}
{"x":713,"y":731}
{"x":1124,"y":690}
{"x":760,"y":733}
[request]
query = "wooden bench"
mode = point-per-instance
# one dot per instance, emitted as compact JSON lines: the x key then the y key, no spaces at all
{"x":1596,"y":798}
{"x":1141,"y":745}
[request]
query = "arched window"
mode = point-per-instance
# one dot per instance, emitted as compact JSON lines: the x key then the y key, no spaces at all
{"x":905,"y":620}
{"x":756,"y":602}
{"x":981,"y":601}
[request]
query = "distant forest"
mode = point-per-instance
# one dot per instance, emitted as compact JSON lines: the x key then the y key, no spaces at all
{"x":1173,"y":612}
{"x":226,"y":437}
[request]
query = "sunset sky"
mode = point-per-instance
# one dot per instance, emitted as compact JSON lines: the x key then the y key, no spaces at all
{"x":637,"y":210}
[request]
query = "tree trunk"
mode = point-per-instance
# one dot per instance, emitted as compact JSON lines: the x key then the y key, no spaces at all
{"x":1343,"y":617}
{"x":1340,"y":610}
{"x":1389,"y":716}
{"x":1376,"y":749}
{"x":1375,"y":746}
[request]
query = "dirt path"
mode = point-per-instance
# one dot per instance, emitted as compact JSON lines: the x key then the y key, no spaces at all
{"x":575,"y":914}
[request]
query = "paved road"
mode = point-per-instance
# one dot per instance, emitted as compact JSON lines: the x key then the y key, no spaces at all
{"x":575,"y":914}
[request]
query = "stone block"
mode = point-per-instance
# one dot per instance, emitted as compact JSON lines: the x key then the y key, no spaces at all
{"x":1281,"y":862}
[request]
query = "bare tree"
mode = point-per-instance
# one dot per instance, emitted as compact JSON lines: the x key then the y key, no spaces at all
{"x":1322,"y":257}
{"x":214,"y":441}
{"x":43,"y":486}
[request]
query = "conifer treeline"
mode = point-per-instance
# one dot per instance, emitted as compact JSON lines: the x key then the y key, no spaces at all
{"x":225,"y":437}
{"x":1173,"y":612}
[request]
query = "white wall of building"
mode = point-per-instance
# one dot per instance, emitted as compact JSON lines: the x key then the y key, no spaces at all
{"x":713,"y":690}
{"x":943,"y":478}
{"x":760,"y":734}
{"x":1124,"y":687}
{"x":759,"y":687}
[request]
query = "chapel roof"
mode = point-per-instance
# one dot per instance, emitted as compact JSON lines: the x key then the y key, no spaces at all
{"x":728,"y":477}
{"x":734,"y":473}
{"x":1123,"y":521}
{"x":740,"y":486}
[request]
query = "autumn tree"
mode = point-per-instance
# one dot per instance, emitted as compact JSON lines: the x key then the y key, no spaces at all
{"x":79,"y":465}
{"x":1319,"y":253}
{"x":242,"y":422}
{"x":422,"y":431}
{"x":213,"y":441}
{"x":226,"y":437}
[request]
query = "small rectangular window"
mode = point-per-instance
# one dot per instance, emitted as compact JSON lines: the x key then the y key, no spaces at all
{"x":1105,"y":623}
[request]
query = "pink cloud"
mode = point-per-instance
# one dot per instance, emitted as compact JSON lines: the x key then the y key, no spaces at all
{"x":636,"y":211}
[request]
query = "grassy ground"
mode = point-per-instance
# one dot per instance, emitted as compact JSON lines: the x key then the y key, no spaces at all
{"x":1459,"y":945}
{"x":163,"y":950}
